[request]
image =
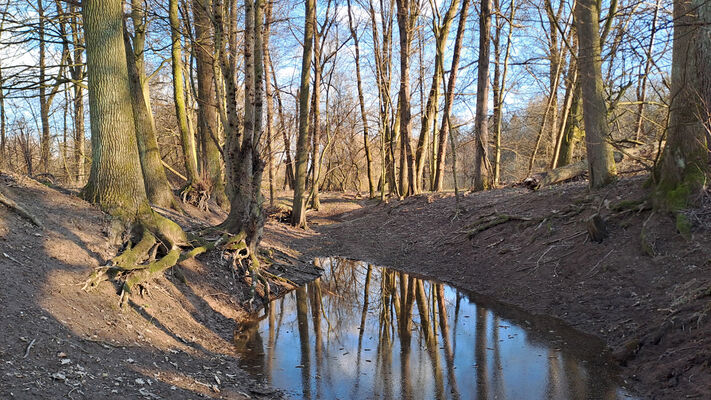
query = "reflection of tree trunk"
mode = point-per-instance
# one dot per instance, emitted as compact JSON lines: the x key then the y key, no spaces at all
{"x":316,"y":296}
{"x":498,"y":373}
{"x":302,"y":310}
{"x":364,"y":313}
{"x":555,"y":380}
{"x":448,"y":354}
{"x":482,"y":373}
{"x":575,"y":377}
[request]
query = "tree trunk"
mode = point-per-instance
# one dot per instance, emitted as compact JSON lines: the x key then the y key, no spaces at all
{"x":441,"y":33}
{"x":115,"y":182}
{"x":299,"y":203}
{"x":449,"y":99}
{"x":316,"y":119}
{"x":482,"y":165}
{"x":361,"y":102}
{"x":500,"y":87}
{"x":43,"y":98}
{"x":270,"y":101}
{"x":186,"y":138}
{"x":245,"y":163}
{"x":289,"y":170}
{"x":682,"y":173}
{"x":77,"y":74}
{"x":208,"y":129}
{"x":158,"y":189}
{"x":407,"y":11}
{"x":601,"y":164}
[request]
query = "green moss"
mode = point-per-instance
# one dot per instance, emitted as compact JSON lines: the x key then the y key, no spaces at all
{"x":683,"y":225}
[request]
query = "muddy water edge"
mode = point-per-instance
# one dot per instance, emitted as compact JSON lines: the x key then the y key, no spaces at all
{"x":364,"y":331}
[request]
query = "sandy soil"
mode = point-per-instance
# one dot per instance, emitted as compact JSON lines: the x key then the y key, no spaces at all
{"x":645,"y":292}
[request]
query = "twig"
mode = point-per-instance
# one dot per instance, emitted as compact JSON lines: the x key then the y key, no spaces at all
{"x":590,"y":273}
{"x":29,"y":347}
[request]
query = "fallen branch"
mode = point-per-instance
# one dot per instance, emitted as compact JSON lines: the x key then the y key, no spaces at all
{"x":19,"y":210}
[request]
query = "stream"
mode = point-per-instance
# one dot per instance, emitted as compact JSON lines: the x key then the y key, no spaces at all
{"x":367,"y":332}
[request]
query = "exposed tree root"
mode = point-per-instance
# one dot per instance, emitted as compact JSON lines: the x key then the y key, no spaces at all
{"x":197,"y":194}
{"x":495,"y":219}
{"x":139,"y":263}
{"x":19,"y":210}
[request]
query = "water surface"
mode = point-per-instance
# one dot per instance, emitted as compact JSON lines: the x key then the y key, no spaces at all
{"x":367,"y":332}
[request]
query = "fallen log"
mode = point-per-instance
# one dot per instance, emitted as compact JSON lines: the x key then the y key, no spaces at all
{"x":7,"y":202}
{"x":561,"y":174}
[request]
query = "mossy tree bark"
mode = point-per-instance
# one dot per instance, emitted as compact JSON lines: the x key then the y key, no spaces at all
{"x":115,"y":181}
{"x":682,"y":174}
{"x":186,"y":138}
{"x":208,"y":130}
{"x":302,"y":151}
{"x":158,"y":190}
{"x":601,"y":164}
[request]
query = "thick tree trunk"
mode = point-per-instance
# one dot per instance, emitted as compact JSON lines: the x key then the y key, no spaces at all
{"x":186,"y":138}
{"x":573,"y":130}
{"x":601,"y":164}
{"x":302,"y":151}
{"x":208,"y":129}
{"x":482,"y":165}
{"x":449,"y":99}
{"x":115,"y":182}
{"x":682,"y":174}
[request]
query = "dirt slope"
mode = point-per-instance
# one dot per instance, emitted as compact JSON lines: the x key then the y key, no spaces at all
{"x":648,"y":299}
{"x":57,"y":341}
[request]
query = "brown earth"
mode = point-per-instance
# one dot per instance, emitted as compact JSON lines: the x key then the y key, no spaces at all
{"x":645,"y":292}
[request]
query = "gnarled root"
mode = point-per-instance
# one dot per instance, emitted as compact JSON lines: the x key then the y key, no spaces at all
{"x":197,"y":194}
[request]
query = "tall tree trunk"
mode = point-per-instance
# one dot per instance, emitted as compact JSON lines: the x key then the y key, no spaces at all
{"x":270,"y":100}
{"x":3,"y":144}
{"x":44,"y":102}
{"x":482,"y":165}
{"x":449,"y":98}
{"x":683,"y":171}
{"x":601,"y":164}
{"x":208,"y":129}
{"x":361,"y":102}
{"x":573,"y":132}
{"x":441,"y":32}
{"x":407,"y":11}
{"x":299,"y":203}
{"x":316,"y":119}
{"x":115,"y":182}
{"x":499,"y":92}
{"x":186,"y":138}
{"x":245,"y":163}
{"x":158,"y":189}
{"x":77,"y":74}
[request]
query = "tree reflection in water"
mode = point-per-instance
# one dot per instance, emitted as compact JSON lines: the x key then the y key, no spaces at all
{"x":362,"y":331}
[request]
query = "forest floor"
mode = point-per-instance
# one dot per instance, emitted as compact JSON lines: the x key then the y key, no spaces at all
{"x":645,"y":290}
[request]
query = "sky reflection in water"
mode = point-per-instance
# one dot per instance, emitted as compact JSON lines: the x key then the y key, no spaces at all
{"x":359,"y":333}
